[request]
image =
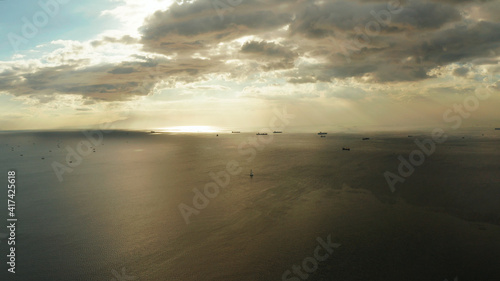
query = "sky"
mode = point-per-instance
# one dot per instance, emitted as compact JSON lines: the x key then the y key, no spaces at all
{"x":227,"y":64}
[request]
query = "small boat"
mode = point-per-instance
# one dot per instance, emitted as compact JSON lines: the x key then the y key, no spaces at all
{"x":322,"y":133}
{"x":217,"y":135}
{"x":152,"y":132}
{"x":277,"y":132}
{"x":365,"y":138}
{"x":235,"y":132}
{"x":346,"y":148}
{"x":261,"y":134}
{"x":498,"y":129}
{"x":251,"y":173}
{"x":323,"y":136}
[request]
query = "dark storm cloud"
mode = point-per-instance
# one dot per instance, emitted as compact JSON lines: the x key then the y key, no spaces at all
{"x":308,"y":41}
{"x":318,"y":21}
{"x":275,"y":56}
{"x":407,"y":45}
{"x":426,"y":35}
{"x":427,"y":15}
{"x":192,"y":27}
{"x":267,"y":49}
{"x":462,"y":42}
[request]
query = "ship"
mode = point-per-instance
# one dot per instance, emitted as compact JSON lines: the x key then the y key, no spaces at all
{"x":261,"y":134}
{"x":277,"y":132}
{"x":346,"y":148}
{"x":235,"y":132}
{"x":365,"y":138}
{"x":322,"y":133}
{"x":498,"y":129}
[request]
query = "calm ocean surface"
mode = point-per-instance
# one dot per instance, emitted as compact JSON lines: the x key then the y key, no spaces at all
{"x":116,"y":215}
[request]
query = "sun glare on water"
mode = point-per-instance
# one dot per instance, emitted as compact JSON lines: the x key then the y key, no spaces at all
{"x":189,"y":129}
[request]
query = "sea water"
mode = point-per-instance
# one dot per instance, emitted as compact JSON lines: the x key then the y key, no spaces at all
{"x":133,"y":206}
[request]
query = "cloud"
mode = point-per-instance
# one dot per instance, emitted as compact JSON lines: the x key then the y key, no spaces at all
{"x":331,"y":17}
{"x":461,"y":71}
{"x":302,"y":80}
{"x":426,"y":15}
{"x":461,"y":43}
{"x":126,"y":39}
{"x":275,"y":56}
{"x":103,"y":82}
{"x":122,"y":70}
{"x":395,"y":56}
{"x":199,"y":25}
{"x":295,"y":42}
